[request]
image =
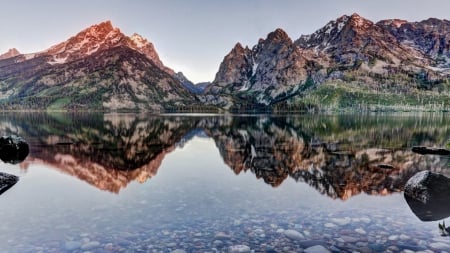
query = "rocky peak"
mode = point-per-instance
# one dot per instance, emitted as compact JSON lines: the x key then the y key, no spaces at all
{"x":86,"y":42}
{"x":357,"y":21}
{"x":100,"y":37}
{"x":142,"y":45}
{"x":239,"y":49}
{"x":99,"y":30}
{"x":397,"y":23}
{"x":278,"y":36}
{"x":11,"y":53}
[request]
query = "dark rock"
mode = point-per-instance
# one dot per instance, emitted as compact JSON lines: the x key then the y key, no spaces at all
{"x":13,"y":149}
{"x":7,"y":181}
{"x":430,"y":151}
{"x":385,"y":166}
{"x":427,"y":194}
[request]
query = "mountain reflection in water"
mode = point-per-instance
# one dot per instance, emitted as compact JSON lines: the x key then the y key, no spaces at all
{"x":340,"y":156}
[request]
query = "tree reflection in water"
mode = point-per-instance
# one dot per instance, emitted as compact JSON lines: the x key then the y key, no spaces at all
{"x":340,"y":156}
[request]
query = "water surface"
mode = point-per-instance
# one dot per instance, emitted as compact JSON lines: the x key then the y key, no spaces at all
{"x":145,"y":183}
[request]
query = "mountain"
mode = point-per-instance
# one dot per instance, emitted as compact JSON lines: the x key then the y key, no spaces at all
{"x":431,"y":37}
{"x":194,"y":88}
{"x":271,"y":70}
{"x":350,"y":62}
{"x":99,"y":68}
{"x":11,"y":53}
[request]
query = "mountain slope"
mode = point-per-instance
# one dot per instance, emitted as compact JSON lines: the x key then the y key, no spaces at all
{"x":11,"y":53}
{"x":348,"y":63}
{"x":272,"y":69}
{"x":100,"y":68}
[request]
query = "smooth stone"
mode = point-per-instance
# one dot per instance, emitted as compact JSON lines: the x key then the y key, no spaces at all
{"x":239,"y":249}
{"x":439,"y":245}
{"x":404,"y":237}
{"x":293,"y":235}
{"x":341,"y":221}
{"x":317,"y":249}
{"x":218,"y":243}
{"x":72,"y":245}
{"x":349,"y":239}
{"x":330,"y":225}
{"x":222,"y":236}
{"x":365,"y":220}
{"x":178,"y":251}
{"x":171,"y":245}
{"x":259,"y":231}
{"x":280,"y":230}
{"x":90,"y":245}
{"x":310,"y":243}
{"x":360,"y":231}
{"x":393,"y":238}
{"x":427,"y":195}
{"x":362,"y":244}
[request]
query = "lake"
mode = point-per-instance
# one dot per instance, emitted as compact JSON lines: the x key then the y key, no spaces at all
{"x":219,"y":183}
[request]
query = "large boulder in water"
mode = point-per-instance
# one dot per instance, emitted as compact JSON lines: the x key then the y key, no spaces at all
{"x":7,"y":181}
{"x":13,"y":149}
{"x":428,"y":195}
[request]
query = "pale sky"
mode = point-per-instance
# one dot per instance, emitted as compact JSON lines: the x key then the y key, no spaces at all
{"x":192,"y":36}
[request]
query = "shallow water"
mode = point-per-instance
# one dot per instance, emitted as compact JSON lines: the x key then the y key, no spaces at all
{"x":145,"y":183}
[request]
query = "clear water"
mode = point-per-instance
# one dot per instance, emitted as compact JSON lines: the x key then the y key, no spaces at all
{"x":196,"y":183}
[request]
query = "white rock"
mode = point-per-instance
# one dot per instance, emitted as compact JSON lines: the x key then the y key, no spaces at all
{"x":317,"y":249}
{"x":360,"y":231}
{"x":393,"y":237}
{"x":90,"y":245}
{"x":178,"y":251}
{"x":222,"y":236}
{"x":365,"y":220}
{"x":404,"y":237}
{"x":439,"y":245}
{"x":72,"y":245}
{"x":293,"y":234}
{"x":239,"y":249}
{"x":341,"y":221}
{"x":330,"y":225}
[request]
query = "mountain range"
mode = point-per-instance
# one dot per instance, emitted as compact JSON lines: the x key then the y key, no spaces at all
{"x":351,"y":62}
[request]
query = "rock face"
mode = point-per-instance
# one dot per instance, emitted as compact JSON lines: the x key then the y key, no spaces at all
{"x":7,"y":181}
{"x":100,"y":68}
{"x":427,"y":195}
{"x":431,"y":37}
{"x":391,"y":55}
{"x":271,"y":70}
{"x":11,"y":53}
{"x":13,"y":149}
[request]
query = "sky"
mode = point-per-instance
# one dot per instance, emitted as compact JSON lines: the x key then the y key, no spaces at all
{"x":192,"y":36}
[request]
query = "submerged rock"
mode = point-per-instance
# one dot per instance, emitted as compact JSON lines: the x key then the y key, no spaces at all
{"x":13,"y":149}
{"x":239,"y":249}
{"x":7,"y":181}
{"x":293,"y":235}
{"x":427,"y":194}
{"x":430,"y":151}
{"x":317,"y":249}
